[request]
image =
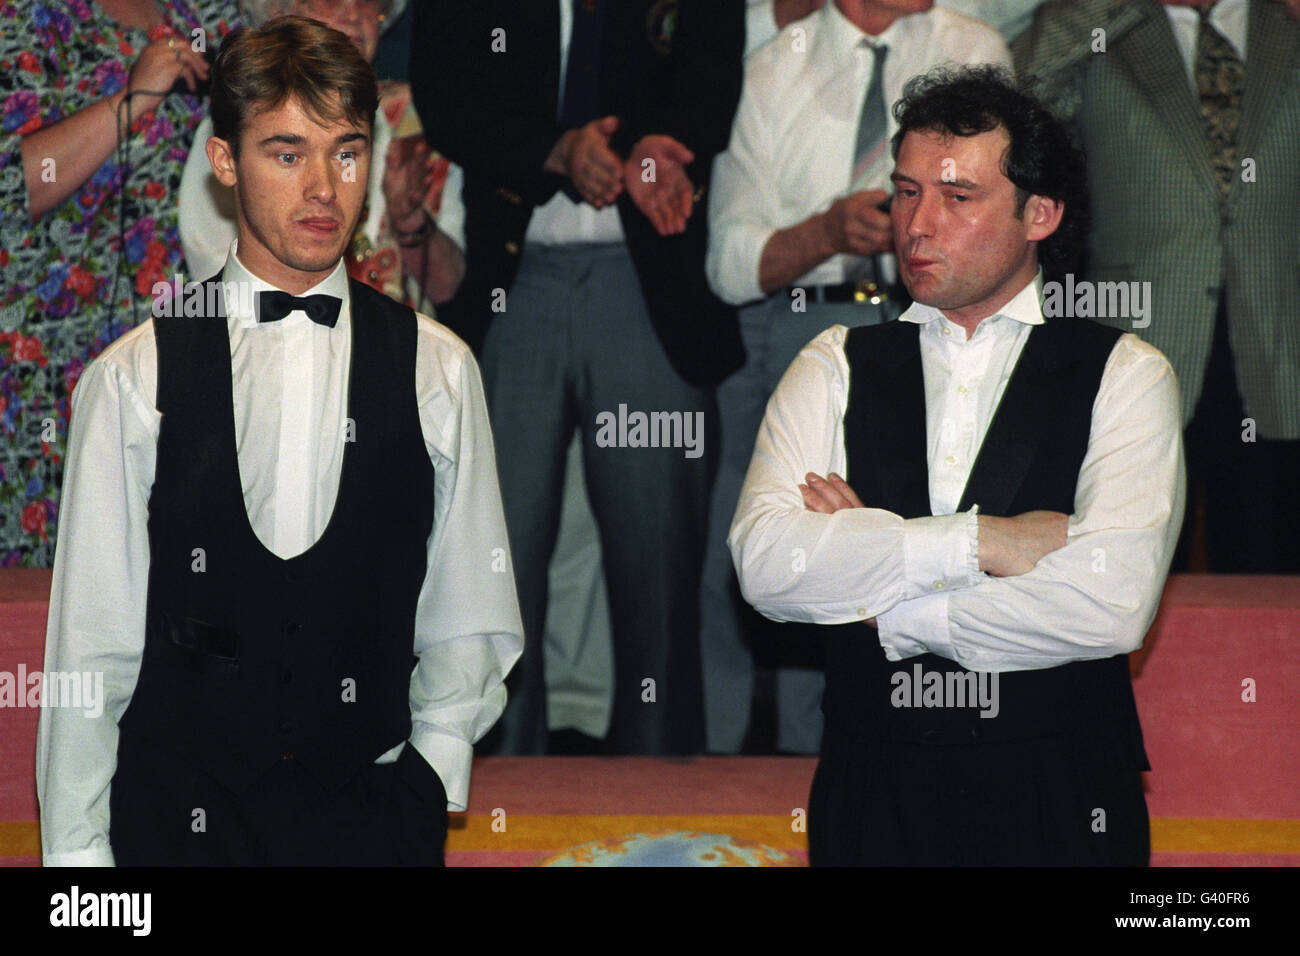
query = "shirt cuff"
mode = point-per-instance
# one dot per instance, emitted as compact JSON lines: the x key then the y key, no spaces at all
{"x":737,"y":260}
{"x":940,"y":552}
{"x":95,"y":856}
{"x":451,"y":758}
{"x":914,"y":627}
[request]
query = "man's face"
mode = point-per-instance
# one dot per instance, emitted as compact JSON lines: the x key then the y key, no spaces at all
{"x":359,"y":19}
{"x":299,"y":191}
{"x":961,"y":246}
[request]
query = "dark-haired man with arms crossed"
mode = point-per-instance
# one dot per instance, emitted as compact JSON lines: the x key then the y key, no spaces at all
{"x":1010,"y":502}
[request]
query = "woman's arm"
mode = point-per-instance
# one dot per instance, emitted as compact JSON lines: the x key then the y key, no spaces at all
{"x":58,"y":159}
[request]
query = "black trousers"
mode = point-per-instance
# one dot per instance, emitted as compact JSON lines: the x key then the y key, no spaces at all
{"x":165,"y":811}
{"x":1248,"y":489}
{"x":1047,"y":801}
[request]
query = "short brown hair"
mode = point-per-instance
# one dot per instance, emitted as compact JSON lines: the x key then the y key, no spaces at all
{"x":259,"y":69}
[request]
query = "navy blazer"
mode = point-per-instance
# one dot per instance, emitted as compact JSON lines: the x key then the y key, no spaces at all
{"x":485,"y":78}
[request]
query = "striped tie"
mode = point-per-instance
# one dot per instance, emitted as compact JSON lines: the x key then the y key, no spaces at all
{"x":871,"y":159}
{"x":1220,"y":81}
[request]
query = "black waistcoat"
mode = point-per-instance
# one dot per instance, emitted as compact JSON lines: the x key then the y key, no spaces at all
{"x":1029,"y":460}
{"x":250,"y":659}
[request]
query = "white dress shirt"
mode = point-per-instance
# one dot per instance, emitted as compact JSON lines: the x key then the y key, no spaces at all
{"x":919,"y":577}
{"x":795,"y":131}
{"x":289,"y":390}
{"x":208,"y":221}
{"x":1008,"y":17}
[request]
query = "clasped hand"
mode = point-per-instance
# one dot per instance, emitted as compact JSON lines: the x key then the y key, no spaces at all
{"x":654,"y":174}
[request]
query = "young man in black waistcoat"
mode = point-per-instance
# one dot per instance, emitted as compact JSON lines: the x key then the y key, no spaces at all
{"x":1011,"y":496}
{"x":284,"y":546}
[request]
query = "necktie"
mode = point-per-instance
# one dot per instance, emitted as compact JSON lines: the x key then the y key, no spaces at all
{"x":582,"y":74}
{"x":274,"y":305}
{"x":872,"y":163}
{"x":871,"y":159}
{"x":1220,"y":81}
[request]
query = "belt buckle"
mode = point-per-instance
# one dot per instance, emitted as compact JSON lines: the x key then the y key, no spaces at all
{"x":869,"y":291}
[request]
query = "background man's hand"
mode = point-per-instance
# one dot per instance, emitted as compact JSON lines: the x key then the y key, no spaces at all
{"x":1011,"y":546}
{"x":854,"y":224}
{"x":583,"y":154}
{"x":408,"y":175}
{"x":669,"y":196}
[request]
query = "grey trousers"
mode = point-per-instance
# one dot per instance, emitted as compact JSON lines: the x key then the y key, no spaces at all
{"x":773,"y":334}
{"x":575,"y":348}
{"x":578,"y":646}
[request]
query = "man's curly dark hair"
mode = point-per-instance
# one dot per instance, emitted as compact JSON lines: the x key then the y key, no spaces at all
{"x":1044,"y":158}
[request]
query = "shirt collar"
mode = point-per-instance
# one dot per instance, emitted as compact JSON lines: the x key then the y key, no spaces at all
{"x":845,"y":36}
{"x":249,"y":284}
{"x":1025,"y":307}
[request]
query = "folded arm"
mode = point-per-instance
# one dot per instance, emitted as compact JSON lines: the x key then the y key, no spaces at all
{"x":1096,"y":596}
{"x":796,"y":564}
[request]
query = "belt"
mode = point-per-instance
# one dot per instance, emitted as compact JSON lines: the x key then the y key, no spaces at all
{"x":862,"y":292}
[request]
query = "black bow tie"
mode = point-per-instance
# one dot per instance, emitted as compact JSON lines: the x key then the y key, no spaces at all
{"x":274,"y":305}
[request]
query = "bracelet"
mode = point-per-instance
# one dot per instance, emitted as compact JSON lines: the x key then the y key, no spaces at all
{"x":410,"y":240}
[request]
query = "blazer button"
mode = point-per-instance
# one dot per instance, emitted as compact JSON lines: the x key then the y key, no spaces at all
{"x":512,"y":247}
{"x":286,"y":727}
{"x":290,"y":575}
{"x":976,"y":734}
{"x":291,"y":627}
{"x":932,"y":736}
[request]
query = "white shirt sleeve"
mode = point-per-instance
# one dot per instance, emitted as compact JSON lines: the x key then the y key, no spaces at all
{"x":97,"y":606}
{"x":743,"y":203}
{"x":1097,"y":596}
{"x":451,"y":208}
{"x":468,"y":631}
{"x":760,"y":24}
{"x":798,"y":565}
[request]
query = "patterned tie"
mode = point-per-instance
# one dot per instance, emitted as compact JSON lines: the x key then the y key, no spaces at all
{"x":871,"y":159}
{"x":1220,"y":80}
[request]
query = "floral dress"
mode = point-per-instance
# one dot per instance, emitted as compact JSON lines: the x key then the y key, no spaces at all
{"x":82,"y":275}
